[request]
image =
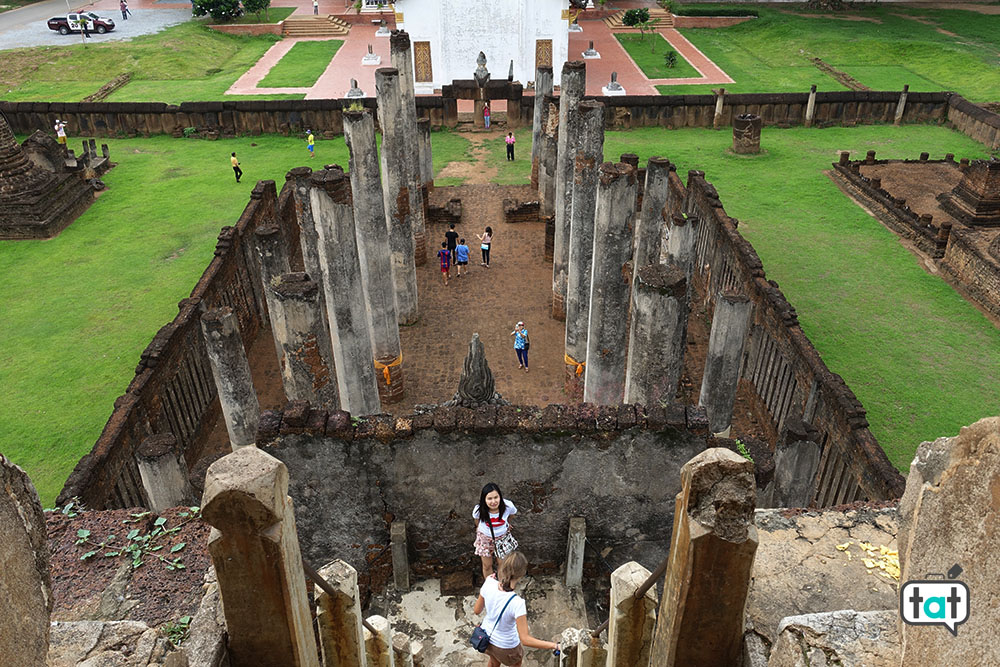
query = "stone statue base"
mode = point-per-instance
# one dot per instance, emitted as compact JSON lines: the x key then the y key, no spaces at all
{"x":383,"y":32}
{"x":371,"y":60}
{"x":613,"y":91}
{"x":591,"y":55}
{"x":575,"y":27}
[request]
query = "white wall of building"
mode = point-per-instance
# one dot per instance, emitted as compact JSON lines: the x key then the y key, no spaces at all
{"x":504,"y":30}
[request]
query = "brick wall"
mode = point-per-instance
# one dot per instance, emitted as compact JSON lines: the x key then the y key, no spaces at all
{"x":250,"y":28}
{"x":978,"y":123}
{"x":974,"y":272}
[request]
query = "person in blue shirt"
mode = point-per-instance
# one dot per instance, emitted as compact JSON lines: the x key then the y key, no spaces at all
{"x":461,"y":256}
{"x":521,"y":345}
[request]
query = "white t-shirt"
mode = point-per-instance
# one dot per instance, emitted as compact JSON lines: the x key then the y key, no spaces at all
{"x":499,"y":524}
{"x":505,"y":635}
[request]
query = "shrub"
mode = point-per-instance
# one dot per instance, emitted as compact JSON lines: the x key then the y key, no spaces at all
{"x":219,"y":10}
{"x":634,"y":17}
{"x":256,"y":7}
{"x":670,"y":59}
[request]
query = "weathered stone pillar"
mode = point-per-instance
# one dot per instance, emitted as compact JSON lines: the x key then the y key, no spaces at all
{"x":901,"y":106}
{"x":395,"y":193}
{"x":548,"y":149}
{"x":373,"y":251}
{"x":255,"y":550}
{"x":543,"y":87}
{"x":796,"y":459}
{"x":426,"y":159}
{"x":345,"y":297}
{"x":631,"y":621}
{"x":305,"y":354}
{"x":274,"y":252}
{"x":575,"y":547}
{"x":163,"y":472}
{"x":657,"y":335}
{"x":298,"y":178}
{"x":402,"y":651}
{"x":573,"y":88}
{"x":746,"y":133}
{"x":231,"y":371}
{"x":587,"y":157}
{"x":652,"y":215}
{"x":711,"y":557}
{"x":341,"y":637}
{"x":730,"y":324}
{"x":400,"y":559}
{"x":401,"y":57}
{"x":26,"y":585}
{"x":606,"y":350}
{"x":378,"y":644}
{"x":811,"y":106}
{"x":681,"y":248}
{"x":720,"y":100}
{"x":591,"y":652}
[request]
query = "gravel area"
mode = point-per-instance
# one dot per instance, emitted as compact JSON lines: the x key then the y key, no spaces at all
{"x":141,"y":22}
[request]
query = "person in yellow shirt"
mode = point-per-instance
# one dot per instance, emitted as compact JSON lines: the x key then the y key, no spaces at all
{"x":312,"y":143}
{"x":236,"y":167}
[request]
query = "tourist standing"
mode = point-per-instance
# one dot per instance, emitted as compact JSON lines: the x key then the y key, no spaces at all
{"x":316,"y":7}
{"x":486,"y":240}
{"x":451,"y":237}
{"x":521,"y":345}
{"x":236,"y":167}
{"x":60,"y":128}
{"x":486,"y":115}
{"x":497,"y":512}
{"x":123,"y":6}
{"x":461,"y":256}
{"x":506,"y":619}
{"x":510,"y":146}
{"x":311,"y":143}
{"x":445,"y":256}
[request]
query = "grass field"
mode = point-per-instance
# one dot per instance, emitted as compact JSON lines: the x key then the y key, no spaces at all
{"x":887,"y":48}
{"x":184,"y":63}
{"x":302,"y":65}
{"x":79,"y":309}
{"x":274,"y":15}
{"x":648,"y":53}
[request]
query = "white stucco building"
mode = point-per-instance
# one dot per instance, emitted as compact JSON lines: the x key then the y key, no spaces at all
{"x":447,"y":36}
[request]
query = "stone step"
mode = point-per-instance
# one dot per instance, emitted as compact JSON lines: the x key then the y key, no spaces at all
{"x":664,"y":19}
{"x":315,"y":26}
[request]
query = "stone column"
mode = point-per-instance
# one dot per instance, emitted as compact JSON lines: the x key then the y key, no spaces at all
{"x":591,"y":652}
{"x":373,"y":251}
{"x":730,"y":325}
{"x":901,"y":106}
{"x":255,"y":550}
{"x":378,"y":644}
{"x":345,"y":298}
{"x":681,"y":243}
{"x":26,"y":585}
{"x":811,"y":106}
{"x":543,"y":87}
{"x":395,"y":193}
{"x":746,"y":133}
{"x":587,"y":155}
{"x":657,"y":335}
{"x":401,"y":58}
{"x":652,"y":215}
{"x":631,"y":621}
{"x":163,"y":472}
{"x":400,"y":559}
{"x":546,"y":171}
{"x":711,"y":557}
{"x":298,"y":178}
{"x":573,"y":88}
{"x":426,"y":159}
{"x":605,"y":383}
{"x":231,"y":371}
{"x":274,"y":261}
{"x":305,"y":354}
{"x":402,"y":653}
{"x":796,"y":459}
{"x":720,"y":100}
{"x":341,"y":637}
{"x":575,"y":546}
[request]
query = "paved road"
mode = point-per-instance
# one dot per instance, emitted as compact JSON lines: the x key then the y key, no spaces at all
{"x":26,"y":26}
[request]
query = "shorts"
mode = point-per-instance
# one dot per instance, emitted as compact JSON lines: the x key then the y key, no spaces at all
{"x":484,"y":545}
{"x":311,"y":149}
{"x":445,"y":269}
{"x":461,"y":263}
{"x":62,"y":140}
{"x":506,"y":656}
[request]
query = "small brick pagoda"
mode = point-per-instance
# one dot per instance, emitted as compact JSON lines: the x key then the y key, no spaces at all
{"x":36,"y":203}
{"x":976,"y":199}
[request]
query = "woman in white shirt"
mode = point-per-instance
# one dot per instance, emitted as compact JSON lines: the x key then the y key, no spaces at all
{"x":489,"y":508}
{"x":506,"y":620}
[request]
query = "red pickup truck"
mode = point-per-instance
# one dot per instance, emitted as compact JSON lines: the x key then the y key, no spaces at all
{"x":74,"y":23}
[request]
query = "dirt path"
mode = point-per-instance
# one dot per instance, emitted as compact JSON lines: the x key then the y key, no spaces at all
{"x":477,"y":172}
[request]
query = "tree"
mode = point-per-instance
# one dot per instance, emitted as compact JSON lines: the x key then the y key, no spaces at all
{"x":256,"y":7}
{"x":219,"y":10}
{"x":637,"y":18}
{"x":670,"y":59}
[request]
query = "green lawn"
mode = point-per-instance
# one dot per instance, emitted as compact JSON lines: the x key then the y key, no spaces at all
{"x":648,"y":53}
{"x":884,"y":52}
{"x":922,"y":360}
{"x":274,"y":15}
{"x":79,"y":309}
{"x":184,"y":63}
{"x":302,"y":65}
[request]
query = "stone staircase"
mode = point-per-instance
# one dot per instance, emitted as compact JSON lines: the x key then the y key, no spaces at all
{"x":663,"y":18}
{"x":315,"y":26}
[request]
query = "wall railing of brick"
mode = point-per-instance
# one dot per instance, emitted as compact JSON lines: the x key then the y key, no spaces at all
{"x":978,"y":123}
{"x":173,"y":390}
{"x":787,"y":375}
